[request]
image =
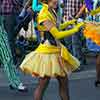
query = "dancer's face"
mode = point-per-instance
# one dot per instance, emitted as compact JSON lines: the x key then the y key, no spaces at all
{"x":52,"y":3}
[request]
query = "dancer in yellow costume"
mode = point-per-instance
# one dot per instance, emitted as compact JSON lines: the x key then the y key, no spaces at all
{"x":51,"y":58}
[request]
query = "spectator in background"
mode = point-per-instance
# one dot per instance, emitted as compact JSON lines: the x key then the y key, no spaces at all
{"x":74,"y":9}
{"x":10,"y":9}
{"x":7,"y":18}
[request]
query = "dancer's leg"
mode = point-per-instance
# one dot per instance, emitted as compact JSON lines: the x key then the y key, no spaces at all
{"x":98,"y":67}
{"x":97,"y":71}
{"x":63,"y":88}
{"x":43,"y":83}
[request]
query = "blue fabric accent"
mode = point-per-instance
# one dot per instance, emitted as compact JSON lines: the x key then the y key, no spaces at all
{"x":92,"y":46}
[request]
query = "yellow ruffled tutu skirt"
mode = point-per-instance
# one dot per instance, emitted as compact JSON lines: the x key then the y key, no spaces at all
{"x":92,"y":31}
{"x":48,"y":60}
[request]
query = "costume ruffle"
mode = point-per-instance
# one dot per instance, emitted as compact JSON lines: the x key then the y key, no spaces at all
{"x":92,"y":31}
{"x":49,"y":60}
{"x":55,"y":62}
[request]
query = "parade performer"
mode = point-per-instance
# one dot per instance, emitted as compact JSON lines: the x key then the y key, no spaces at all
{"x":51,"y":59}
{"x":7,"y":60}
{"x":92,"y":33}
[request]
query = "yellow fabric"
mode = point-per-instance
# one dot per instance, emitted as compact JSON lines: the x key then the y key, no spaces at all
{"x":50,"y":61}
{"x":66,"y":55}
{"x":61,"y":34}
{"x":43,"y":16}
{"x":49,"y":49}
{"x":64,"y":25}
{"x":46,"y":15}
{"x":42,"y":65}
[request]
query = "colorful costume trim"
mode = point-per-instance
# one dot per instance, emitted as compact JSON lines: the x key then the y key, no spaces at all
{"x":92,"y":32}
{"x":92,"y":28}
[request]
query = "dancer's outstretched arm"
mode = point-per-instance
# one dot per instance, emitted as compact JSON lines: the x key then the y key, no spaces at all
{"x":66,"y":24}
{"x":61,"y":34}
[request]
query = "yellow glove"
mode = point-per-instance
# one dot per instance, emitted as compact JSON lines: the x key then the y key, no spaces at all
{"x":79,"y":25}
{"x":65,"y":24}
{"x":61,"y":34}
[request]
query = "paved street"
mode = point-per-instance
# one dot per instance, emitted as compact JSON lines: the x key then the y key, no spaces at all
{"x":80,"y":89}
{"x":81,"y":86}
